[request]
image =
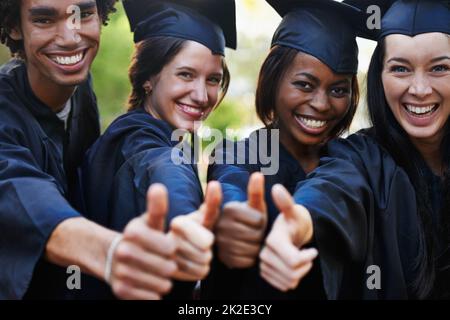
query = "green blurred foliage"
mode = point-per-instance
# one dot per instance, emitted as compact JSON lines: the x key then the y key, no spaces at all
{"x":238,"y":108}
{"x":229,"y":115}
{"x":4,"y":54}
{"x":110,"y":68}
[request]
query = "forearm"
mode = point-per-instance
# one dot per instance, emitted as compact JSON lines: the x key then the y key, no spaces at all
{"x":80,"y":242}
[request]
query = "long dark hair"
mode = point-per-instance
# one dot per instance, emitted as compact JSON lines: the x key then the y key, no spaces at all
{"x":395,"y":140}
{"x":150,"y":57}
{"x":272,"y":71}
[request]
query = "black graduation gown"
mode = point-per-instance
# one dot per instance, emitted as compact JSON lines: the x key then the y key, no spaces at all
{"x":225,"y":283}
{"x":37,"y":180}
{"x":135,"y":152}
{"x":440,"y":224}
{"x":364,"y":213}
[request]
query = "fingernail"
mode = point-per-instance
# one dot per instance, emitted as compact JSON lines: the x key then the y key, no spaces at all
{"x":313,"y":252}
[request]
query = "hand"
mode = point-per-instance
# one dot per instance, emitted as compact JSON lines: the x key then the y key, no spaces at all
{"x":143,"y":261}
{"x":241,"y":227}
{"x":193,"y":236}
{"x":282,"y":264}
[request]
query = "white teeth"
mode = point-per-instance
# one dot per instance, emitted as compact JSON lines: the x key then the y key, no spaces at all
{"x":420,"y":110}
{"x":314,"y":124}
{"x":68,"y":60}
{"x":193,"y":110}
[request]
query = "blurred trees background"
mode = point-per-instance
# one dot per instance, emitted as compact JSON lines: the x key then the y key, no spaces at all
{"x":110,"y":68}
{"x":4,"y":54}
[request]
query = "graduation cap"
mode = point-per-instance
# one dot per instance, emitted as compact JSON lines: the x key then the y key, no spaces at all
{"x":211,"y":23}
{"x":325,"y":29}
{"x":408,"y":17}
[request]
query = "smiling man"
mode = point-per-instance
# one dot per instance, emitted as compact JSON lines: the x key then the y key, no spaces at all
{"x":48,"y":118}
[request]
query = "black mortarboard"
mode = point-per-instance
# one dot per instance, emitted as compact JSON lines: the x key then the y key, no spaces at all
{"x":211,"y":23}
{"x":408,"y":17}
{"x":325,"y":29}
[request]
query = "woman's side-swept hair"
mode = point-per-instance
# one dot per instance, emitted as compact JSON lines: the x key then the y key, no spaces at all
{"x":150,"y":57}
{"x":272,"y":72}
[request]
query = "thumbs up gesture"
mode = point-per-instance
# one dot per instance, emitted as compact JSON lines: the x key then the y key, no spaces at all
{"x":142,"y":264}
{"x":240,"y":229}
{"x":282,"y":263}
{"x":193,"y":236}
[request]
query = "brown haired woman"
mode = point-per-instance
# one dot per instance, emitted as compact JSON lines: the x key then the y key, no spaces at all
{"x":178,"y":76}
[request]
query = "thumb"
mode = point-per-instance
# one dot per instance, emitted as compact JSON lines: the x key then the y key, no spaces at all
{"x":297,"y":218}
{"x":255,"y":191}
{"x":210,"y":207}
{"x":157,"y":205}
{"x":284,"y":201}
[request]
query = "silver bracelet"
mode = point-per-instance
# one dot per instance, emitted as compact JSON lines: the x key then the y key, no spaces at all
{"x":109,"y":257}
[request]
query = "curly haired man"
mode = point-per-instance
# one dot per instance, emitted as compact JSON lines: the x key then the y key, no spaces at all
{"x":48,"y":119}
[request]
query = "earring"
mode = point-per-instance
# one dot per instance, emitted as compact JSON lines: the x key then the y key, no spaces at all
{"x":147,"y":88}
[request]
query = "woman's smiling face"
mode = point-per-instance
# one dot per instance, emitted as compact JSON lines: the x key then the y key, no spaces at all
{"x":311,"y":101}
{"x":187,"y":89}
{"x":416,"y":81}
